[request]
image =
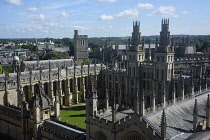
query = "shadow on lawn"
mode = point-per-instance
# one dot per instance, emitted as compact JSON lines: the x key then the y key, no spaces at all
{"x":79,"y":115}
{"x":77,"y":108}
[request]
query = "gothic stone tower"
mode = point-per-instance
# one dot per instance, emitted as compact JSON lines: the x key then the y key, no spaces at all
{"x":80,"y":47}
{"x":163,"y":61}
{"x":135,"y":54}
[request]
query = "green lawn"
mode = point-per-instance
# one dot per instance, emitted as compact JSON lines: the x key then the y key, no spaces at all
{"x":74,"y":115}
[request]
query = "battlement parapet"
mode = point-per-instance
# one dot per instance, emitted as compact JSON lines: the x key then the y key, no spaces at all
{"x":10,"y":113}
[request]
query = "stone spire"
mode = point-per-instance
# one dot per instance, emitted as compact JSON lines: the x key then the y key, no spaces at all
{"x":24,"y":116}
{"x":6,"y":99}
{"x":136,"y":104}
{"x":57,"y":106}
{"x":107,"y":99}
{"x":163,"y":126}
{"x":19,"y":83}
{"x":192,"y":83}
{"x":182,"y":84}
{"x":49,"y":70}
{"x":149,"y":54}
{"x":165,"y":34}
{"x":136,"y":34}
{"x":208,"y":112}
{"x":195,"y":116}
{"x":206,"y":84}
{"x":114,"y":109}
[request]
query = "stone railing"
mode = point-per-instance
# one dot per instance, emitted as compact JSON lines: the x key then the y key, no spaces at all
{"x":10,"y":113}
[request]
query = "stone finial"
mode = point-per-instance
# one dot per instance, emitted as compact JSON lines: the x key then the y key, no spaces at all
{"x":195,"y":116}
{"x":49,"y":65}
{"x":113,"y":110}
{"x":163,"y":126}
{"x":195,"y":107}
{"x":208,"y":112}
{"x":208,"y":101}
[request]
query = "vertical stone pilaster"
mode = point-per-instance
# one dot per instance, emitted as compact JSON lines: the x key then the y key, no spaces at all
{"x":208,"y":112}
{"x":67,"y":93}
{"x":164,"y":94}
{"x":173,"y":92}
{"x":163,"y":126}
{"x":76,"y":90}
{"x":195,"y":116}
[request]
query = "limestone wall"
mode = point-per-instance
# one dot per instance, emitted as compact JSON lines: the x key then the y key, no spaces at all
{"x":10,"y":122}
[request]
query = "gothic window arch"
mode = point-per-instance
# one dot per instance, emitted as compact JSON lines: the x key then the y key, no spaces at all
{"x":100,"y":136}
{"x":133,"y":136}
{"x":25,"y":90}
{"x":148,"y":100}
{"x":134,"y":72}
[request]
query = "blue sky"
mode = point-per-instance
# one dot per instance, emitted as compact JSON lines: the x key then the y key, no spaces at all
{"x":100,"y":18}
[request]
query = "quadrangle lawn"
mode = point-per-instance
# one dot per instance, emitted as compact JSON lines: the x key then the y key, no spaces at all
{"x":74,"y":115}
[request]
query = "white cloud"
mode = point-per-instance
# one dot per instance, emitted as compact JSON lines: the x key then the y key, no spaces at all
{"x":32,"y":9}
{"x":81,"y":28}
{"x":105,"y":17}
{"x":165,"y":11}
{"x":52,"y":24}
{"x":14,"y":2}
{"x":108,"y":0}
{"x":64,"y":14}
{"x":130,"y":13}
{"x":45,"y":31}
{"x":184,"y":12}
{"x":41,"y":17}
{"x":145,"y":6}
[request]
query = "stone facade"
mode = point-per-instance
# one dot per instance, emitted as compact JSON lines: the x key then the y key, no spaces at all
{"x":145,"y":96}
{"x":136,"y":91}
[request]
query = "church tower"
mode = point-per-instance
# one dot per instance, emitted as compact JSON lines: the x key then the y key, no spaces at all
{"x":136,"y":54}
{"x":80,"y":47}
{"x":164,"y":64}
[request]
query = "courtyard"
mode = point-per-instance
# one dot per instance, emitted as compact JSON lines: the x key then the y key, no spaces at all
{"x":74,"y":115}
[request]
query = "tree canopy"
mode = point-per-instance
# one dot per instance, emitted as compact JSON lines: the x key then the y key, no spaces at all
{"x":54,"y":55}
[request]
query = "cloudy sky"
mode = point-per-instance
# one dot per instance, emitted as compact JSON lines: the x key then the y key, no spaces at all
{"x":100,"y":18}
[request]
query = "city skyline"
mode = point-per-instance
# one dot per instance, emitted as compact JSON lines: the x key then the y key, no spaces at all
{"x":100,"y":18}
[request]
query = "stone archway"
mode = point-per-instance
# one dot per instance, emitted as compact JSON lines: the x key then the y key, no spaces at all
{"x":133,"y":136}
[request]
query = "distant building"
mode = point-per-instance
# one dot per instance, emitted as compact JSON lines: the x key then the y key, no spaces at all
{"x":80,"y":47}
{"x":44,"y":47}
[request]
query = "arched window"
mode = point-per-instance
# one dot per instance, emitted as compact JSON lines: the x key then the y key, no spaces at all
{"x":133,"y":136}
{"x":148,"y":100}
{"x":100,"y":136}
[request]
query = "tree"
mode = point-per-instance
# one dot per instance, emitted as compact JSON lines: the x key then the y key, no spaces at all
{"x":54,"y":55}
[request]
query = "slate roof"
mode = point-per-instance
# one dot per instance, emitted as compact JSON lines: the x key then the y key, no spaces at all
{"x":40,"y":100}
{"x":179,"y":117}
{"x":119,"y":115}
{"x":63,"y":130}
